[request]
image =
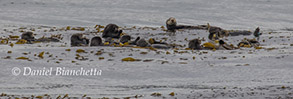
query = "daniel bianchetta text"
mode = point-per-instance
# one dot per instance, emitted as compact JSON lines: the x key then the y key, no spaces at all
{"x":60,"y":71}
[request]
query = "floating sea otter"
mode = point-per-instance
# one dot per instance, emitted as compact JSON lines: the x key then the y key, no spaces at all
{"x":111,"y":30}
{"x":96,"y":41}
{"x":215,"y":32}
{"x":140,"y":42}
{"x":172,"y":25}
{"x":159,"y":44}
{"x":248,"y":43}
{"x":125,"y":38}
{"x":153,"y":41}
{"x":28,"y":36}
{"x":194,"y":44}
{"x":225,"y":45}
{"x":79,"y":40}
{"x":134,"y":42}
{"x":257,"y":33}
{"x":47,"y":39}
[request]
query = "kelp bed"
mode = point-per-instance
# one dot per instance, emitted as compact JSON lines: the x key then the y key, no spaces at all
{"x":136,"y":72}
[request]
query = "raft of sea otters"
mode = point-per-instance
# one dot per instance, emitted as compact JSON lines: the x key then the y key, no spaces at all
{"x":112,"y":35}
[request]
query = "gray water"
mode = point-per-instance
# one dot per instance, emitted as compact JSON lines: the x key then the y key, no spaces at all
{"x":208,"y":74}
{"x":229,"y":14}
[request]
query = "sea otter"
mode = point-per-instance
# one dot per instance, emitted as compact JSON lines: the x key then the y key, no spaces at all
{"x":28,"y":36}
{"x":257,"y":33}
{"x":159,"y":44}
{"x":79,"y":40}
{"x":216,"y":32}
{"x":153,"y":41}
{"x":225,"y":45}
{"x":172,"y":25}
{"x":248,"y":43}
{"x":134,"y":42}
{"x":142,"y":43}
{"x":111,"y":30}
{"x":254,"y":42}
{"x":96,"y":41}
{"x":125,"y":38}
{"x":194,"y":44}
{"x":47,"y":39}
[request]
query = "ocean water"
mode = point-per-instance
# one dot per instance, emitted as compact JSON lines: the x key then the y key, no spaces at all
{"x":229,"y":14}
{"x":238,"y":73}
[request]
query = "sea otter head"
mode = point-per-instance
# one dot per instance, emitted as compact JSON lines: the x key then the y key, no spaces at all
{"x":79,"y":40}
{"x":80,"y":36}
{"x":221,"y":42}
{"x":125,"y":38}
{"x":194,"y":44}
{"x":29,"y":36}
{"x":171,"y":23}
{"x":117,"y":30}
{"x":96,"y":41}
